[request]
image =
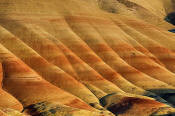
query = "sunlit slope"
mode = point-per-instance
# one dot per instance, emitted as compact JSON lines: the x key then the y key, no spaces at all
{"x":86,"y":58}
{"x":152,"y":11}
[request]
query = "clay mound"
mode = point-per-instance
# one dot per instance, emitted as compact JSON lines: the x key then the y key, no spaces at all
{"x":149,"y":11}
{"x":86,"y":58}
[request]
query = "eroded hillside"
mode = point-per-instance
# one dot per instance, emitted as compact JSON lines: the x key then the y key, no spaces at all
{"x":86,"y":58}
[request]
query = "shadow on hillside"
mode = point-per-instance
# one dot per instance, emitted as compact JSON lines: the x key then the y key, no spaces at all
{"x":166,"y":94}
{"x":170,"y":18}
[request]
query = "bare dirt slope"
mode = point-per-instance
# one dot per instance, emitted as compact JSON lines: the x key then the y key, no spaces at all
{"x":86,"y":58}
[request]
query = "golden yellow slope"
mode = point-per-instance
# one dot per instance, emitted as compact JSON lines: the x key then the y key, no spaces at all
{"x":87,"y":58}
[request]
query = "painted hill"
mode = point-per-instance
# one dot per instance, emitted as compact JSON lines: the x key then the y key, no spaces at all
{"x":86,"y":58}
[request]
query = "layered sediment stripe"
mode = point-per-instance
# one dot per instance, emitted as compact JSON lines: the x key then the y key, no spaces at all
{"x":48,"y":71}
{"x":89,"y":48}
{"x":7,"y":100}
{"x":121,"y":36}
{"x":84,"y":66}
{"x":165,"y":55}
{"x":85,"y":72}
{"x":88,"y":35}
{"x":100,"y":67}
{"x":152,"y":32}
{"x":29,"y":91}
{"x":121,"y":41}
{"x":132,"y":57}
{"x":72,"y":38}
{"x":10,"y":75}
{"x":105,"y":86}
{"x":73,"y":42}
{"x":38,"y":41}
